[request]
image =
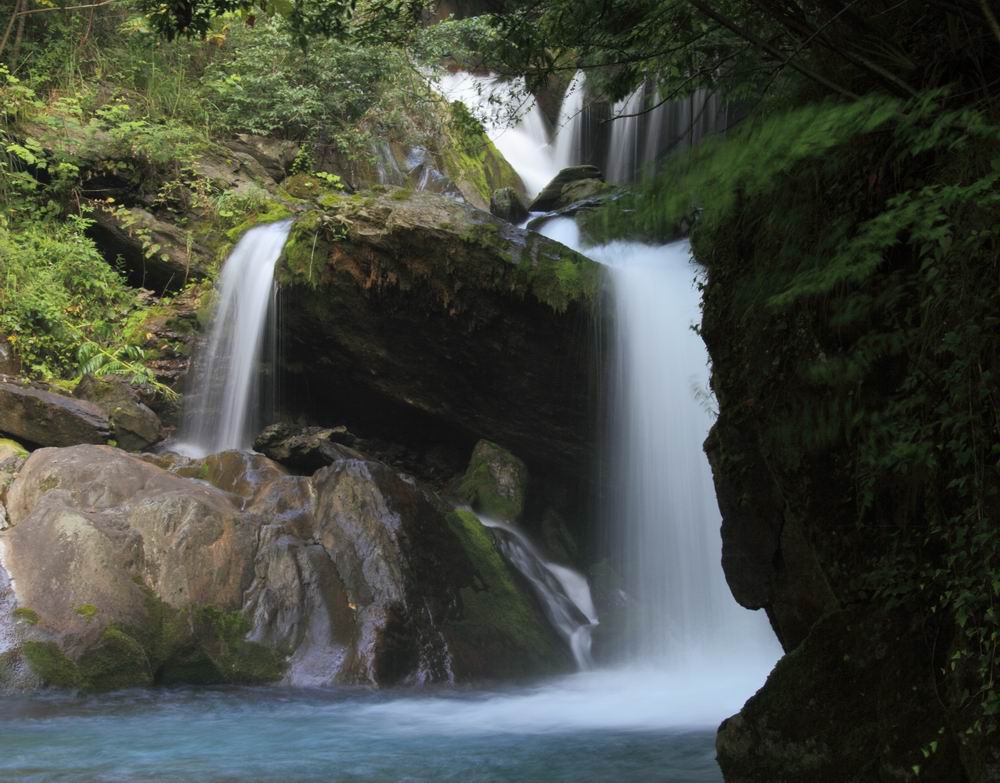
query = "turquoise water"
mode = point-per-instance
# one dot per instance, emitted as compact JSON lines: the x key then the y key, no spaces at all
{"x":256,"y":734}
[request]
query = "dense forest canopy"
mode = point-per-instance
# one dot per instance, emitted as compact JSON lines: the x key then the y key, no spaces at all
{"x":855,"y":203}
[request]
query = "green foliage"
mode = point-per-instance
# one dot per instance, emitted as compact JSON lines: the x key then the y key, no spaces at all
{"x":58,"y":294}
{"x":344,"y":94}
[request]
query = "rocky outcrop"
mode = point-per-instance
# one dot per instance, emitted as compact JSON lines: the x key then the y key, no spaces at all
{"x":420,"y":319}
{"x":124,"y":571}
{"x":43,"y":418}
{"x":848,"y":705}
{"x":571,"y":185}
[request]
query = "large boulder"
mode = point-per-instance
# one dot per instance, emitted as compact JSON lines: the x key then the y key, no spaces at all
{"x":419,"y":318}
{"x":120,"y":570}
{"x":43,"y":418}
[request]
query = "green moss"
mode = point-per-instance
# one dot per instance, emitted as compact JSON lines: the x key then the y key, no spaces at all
{"x":498,"y":617}
{"x":48,"y":483}
{"x":221,"y":636}
{"x":270,"y":212}
{"x":471,"y":159}
{"x":88,"y":611}
{"x":558,"y":281}
{"x":117,"y":661}
{"x":11,"y":448}
{"x":51,"y":665}
{"x":23,"y":613}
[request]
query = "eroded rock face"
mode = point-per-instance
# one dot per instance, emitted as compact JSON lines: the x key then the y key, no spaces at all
{"x":124,"y":570}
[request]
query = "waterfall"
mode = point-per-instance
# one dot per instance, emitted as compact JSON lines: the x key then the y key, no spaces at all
{"x":662,"y":509}
{"x":564,"y":594}
{"x":569,"y":128}
{"x":623,"y":153}
{"x":221,"y":409}
{"x":522,"y":138}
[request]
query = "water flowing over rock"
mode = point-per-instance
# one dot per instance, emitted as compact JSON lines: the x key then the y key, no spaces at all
{"x":222,"y":410}
{"x":164,"y":569}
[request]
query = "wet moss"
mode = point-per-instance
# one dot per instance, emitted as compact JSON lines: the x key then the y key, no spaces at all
{"x":222,"y":637}
{"x":24,"y":614}
{"x":52,"y":665}
{"x":11,"y":448}
{"x":117,"y":661}
{"x":499,"y":621}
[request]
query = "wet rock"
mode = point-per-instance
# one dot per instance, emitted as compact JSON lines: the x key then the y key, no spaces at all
{"x":574,"y":183}
{"x":507,"y":205}
{"x":124,"y":570}
{"x":495,"y":483}
{"x":305,"y":449}
{"x":135,"y":427}
{"x":275,"y":156}
{"x":43,"y":418}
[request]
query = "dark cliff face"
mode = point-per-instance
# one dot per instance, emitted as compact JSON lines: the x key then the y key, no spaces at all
{"x":871,"y":687}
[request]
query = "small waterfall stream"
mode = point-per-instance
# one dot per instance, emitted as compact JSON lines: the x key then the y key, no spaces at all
{"x":564,"y":594}
{"x":221,"y":410}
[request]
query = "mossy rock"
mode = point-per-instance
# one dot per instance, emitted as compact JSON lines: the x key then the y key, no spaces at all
{"x":51,"y":665}
{"x":495,"y":483}
{"x":117,"y":661}
{"x":500,"y":629}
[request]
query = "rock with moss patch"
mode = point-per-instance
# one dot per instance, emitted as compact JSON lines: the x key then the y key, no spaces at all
{"x":495,"y":483}
{"x":574,"y":183}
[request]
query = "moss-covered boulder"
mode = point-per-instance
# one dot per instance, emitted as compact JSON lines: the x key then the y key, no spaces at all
{"x":412,"y":315}
{"x":506,"y":204}
{"x":495,"y":483}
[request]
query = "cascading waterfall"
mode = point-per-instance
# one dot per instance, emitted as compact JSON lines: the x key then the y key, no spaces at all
{"x":564,"y":594}
{"x":569,"y":128}
{"x":662,"y":507}
{"x":221,"y":409}
{"x":523,"y":142}
{"x":623,"y":153}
